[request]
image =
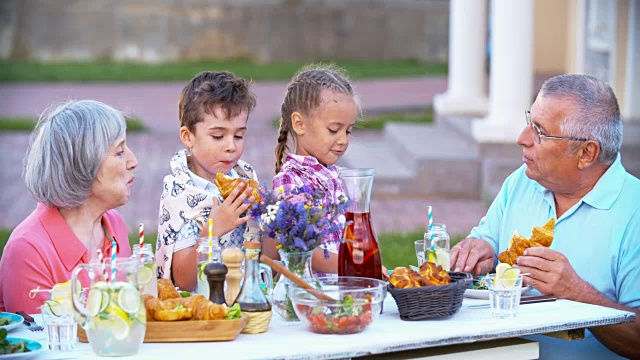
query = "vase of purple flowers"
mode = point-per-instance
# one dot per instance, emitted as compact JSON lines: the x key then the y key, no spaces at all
{"x":298,"y":222}
{"x":300,"y":264}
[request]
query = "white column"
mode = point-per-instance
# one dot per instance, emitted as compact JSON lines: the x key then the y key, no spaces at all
{"x":631,"y":109}
{"x":511,"y":80}
{"x":467,"y":43}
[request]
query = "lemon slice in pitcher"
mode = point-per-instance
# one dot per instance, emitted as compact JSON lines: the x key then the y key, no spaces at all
{"x":119,"y":326}
{"x":97,"y":301}
{"x":129,"y":299}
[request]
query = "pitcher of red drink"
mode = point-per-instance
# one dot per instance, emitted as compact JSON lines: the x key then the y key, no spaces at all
{"x":359,"y":253}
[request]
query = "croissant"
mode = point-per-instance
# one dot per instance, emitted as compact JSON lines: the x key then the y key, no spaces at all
{"x":433,"y":275}
{"x":540,"y":236}
{"x":207,"y":310}
{"x":151,"y":304}
{"x":166,"y":290}
{"x":226,"y":185}
{"x":403,"y":277}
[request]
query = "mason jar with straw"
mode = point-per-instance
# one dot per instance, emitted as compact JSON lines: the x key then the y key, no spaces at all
{"x":208,"y":251}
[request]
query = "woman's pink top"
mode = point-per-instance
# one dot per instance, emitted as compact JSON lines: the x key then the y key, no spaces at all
{"x":42,"y":251}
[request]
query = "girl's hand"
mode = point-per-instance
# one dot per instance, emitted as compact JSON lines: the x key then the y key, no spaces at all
{"x":226,"y":217}
{"x":385,"y":273}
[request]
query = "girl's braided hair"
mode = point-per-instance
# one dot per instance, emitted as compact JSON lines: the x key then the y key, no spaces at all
{"x":303,"y":96}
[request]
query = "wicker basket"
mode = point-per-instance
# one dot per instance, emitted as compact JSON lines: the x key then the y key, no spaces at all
{"x":431,"y":301}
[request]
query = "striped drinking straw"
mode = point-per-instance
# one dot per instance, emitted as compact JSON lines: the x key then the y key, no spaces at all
{"x":210,"y":240}
{"x":430,"y":211}
{"x":141,"y":227}
{"x":113,"y":261}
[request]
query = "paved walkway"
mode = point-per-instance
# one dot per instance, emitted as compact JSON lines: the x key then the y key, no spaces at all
{"x":156,"y":106}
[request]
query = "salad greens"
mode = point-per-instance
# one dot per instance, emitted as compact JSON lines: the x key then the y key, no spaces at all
{"x":234,"y":312}
{"x":5,"y":321}
{"x":480,"y":284}
{"x":8,"y":348}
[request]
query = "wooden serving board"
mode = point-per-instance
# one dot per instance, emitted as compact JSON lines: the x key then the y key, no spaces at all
{"x":188,"y":331}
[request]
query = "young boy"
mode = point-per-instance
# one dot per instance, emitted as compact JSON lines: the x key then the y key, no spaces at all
{"x":213,"y":108}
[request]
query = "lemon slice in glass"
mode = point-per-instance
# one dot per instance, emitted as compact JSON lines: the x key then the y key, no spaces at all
{"x":145,"y":275}
{"x":501,"y":268}
{"x":63,"y":290}
{"x":442,"y":258}
{"x":509,"y":278}
{"x":432,"y":256}
{"x":53,"y":307}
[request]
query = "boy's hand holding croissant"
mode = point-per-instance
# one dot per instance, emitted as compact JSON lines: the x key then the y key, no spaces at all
{"x":228,"y":215}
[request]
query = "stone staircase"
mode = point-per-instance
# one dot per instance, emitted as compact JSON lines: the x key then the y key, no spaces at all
{"x":444,"y":161}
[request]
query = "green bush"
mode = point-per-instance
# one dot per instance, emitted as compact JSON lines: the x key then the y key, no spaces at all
{"x":397,"y":249}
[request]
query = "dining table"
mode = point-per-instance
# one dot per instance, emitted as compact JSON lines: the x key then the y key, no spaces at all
{"x":469,"y":333}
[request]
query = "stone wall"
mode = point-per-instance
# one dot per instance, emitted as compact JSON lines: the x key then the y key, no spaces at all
{"x":265,"y":30}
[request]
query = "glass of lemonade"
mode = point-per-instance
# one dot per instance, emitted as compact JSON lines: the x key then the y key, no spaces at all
{"x":60,"y":319}
{"x":203,"y":260}
{"x":436,"y":244}
{"x":504,"y":295}
{"x":115,"y":315}
{"x":147,"y":279}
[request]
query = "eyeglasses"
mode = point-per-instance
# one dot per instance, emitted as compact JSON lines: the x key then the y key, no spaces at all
{"x":538,"y":135}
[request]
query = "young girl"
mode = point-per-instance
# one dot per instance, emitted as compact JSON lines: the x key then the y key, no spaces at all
{"x":214,"y":108}
{"x":319,"y":111}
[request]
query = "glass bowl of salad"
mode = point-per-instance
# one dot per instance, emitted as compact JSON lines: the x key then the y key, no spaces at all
{"x":357,"y":302}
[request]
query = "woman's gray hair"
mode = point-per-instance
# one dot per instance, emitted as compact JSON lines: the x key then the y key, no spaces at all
{"x":66,"y":149}
{"x":596,"y":115}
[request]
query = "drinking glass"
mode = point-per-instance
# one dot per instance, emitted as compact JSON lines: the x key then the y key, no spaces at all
{"x":439,"y":255}
{"x":419,"y":244}
{"x":147,"y":279}
{"x":436,"y":242}
{"x":202,"y":253}
{"x":61,"y":324}
{"x":504,"y":296}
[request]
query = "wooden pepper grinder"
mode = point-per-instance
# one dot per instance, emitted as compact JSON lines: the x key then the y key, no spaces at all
{"x":215,"y":273}
{"x":232,"y":257}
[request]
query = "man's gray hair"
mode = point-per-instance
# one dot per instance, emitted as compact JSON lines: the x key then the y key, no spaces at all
{"x":596,"y":115}
{"x":66,"y":149}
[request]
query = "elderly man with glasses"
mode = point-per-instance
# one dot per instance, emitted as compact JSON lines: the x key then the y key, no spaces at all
{"x":572,"y":172}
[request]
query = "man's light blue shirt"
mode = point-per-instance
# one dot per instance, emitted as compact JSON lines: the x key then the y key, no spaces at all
{"x":600,"y":235}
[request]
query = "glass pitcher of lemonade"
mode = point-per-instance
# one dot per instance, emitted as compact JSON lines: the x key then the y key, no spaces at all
{"x":359,"y":253}
{"x":115,"y":315}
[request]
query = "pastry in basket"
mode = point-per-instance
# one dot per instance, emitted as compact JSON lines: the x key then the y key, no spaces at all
{"x":226,"y":185}
{"x":403,"y":277}
{"x":433,"y":275}
{"x":166,"y":290}
{"x":540,"y":236}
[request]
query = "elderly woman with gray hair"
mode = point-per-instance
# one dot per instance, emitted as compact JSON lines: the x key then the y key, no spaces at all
{"x":79,"y":169}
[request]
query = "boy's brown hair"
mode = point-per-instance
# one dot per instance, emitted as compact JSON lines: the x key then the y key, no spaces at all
{"x":209,"y":89}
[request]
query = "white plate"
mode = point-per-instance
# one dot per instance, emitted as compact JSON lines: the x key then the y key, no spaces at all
{"x":484,"y":294}
{"x":34,"y":346}
{"x":16,"y":320}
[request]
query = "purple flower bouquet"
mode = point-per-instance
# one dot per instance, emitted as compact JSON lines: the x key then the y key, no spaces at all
{"x":298,"y":222}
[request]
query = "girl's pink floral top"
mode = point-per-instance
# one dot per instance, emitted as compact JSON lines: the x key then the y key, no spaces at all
{"x":298,"y":171}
